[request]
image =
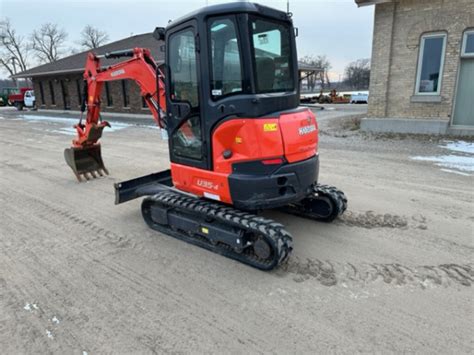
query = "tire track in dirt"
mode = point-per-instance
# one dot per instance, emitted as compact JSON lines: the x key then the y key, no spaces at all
{"x":370,"y":220}
{"x":330,"y":273}
{"x":67,"y":221}
{"x":326,"y":272}
{"x":56,"y":215}
{"x":19,"y":167}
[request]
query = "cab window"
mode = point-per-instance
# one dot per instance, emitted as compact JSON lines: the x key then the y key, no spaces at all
{"x":272,"y":56}
{"x":187,"y":139}
{"x":183,"y":68}
{"x":226,"y":69}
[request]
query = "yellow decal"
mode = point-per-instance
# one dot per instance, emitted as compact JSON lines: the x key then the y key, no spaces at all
{"x":204,"y":230}
{"x":270,"y":127}
{"x":238,"y":140}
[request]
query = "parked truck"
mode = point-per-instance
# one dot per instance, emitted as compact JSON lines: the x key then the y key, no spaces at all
{"x":5,"y":92}
{"x":25,"y":98}
{"x":360,"y":98}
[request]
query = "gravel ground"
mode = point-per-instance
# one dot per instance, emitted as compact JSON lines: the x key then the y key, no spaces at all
{"x":79,"y":274}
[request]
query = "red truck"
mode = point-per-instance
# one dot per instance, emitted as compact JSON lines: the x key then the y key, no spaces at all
{"x":25,"y":98}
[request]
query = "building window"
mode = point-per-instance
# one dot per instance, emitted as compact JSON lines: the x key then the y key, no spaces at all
{"x":468,"y":44}
{"x":41,"y":92}
{"x":78,"y":91}
{"x":430,"y":64}
{"x":51,"y":92}
{"x":125,"y":93}
{"x":108,"y":96}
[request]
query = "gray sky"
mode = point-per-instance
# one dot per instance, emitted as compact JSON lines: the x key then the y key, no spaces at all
{"x":336,"y":28}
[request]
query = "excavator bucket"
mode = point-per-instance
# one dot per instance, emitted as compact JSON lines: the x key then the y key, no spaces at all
{"x":85,"y":162}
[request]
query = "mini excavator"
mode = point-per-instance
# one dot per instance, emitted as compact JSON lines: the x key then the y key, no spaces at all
{"x":228,"y":101}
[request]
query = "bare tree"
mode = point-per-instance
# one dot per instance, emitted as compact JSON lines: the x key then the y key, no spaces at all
{"x":92,"y":37}
{"x":321,"y":62}
{"x":47,"y":42}
{"x":357,"y":74}
{"x":324,"y":63}
{"x":14,"y":49}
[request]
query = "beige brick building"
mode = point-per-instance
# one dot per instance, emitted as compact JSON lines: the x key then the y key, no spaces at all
{"x":422,"y":77}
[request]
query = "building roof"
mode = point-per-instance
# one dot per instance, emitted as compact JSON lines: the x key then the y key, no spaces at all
{"x":76,"y":62}
{"x":371,"y":2}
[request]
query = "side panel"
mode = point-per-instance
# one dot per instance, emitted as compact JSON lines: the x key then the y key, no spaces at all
{"x":201,"y":182}
{"x":300,"y":135}
{"x":246,"y":139}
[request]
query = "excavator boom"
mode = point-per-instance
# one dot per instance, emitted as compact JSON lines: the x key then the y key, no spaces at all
{"x":84,"y":157}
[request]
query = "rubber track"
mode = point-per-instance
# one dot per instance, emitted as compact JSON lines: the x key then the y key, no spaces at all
{"x":274,"y":233}
{"x":336,"y":195}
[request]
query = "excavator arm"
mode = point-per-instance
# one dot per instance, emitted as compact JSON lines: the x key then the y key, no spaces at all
{"x":84,"y":157}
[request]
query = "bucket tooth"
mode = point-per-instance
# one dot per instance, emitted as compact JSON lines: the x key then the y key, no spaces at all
{"x":85,"y":161}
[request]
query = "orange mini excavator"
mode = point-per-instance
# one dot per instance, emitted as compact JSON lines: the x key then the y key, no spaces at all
{"x":228,"y":99}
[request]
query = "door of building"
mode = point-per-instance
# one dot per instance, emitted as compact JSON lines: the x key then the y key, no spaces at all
{"x":464,"y":103}
{"x":464,"y":106}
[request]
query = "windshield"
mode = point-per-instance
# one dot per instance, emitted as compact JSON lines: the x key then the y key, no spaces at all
{"x":273,"y":56}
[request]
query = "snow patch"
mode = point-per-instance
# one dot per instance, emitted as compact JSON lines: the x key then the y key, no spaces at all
{"x":49,"y":334}
{"x":47,"y":118}
{"x":462,"y":163}
{"x":55,"y":320}
{"x":30,"y":307}
{"x":459,"y":161}
{"x":67,"y":131}
{"x":459,"y":146}
{"x":115,"y":126}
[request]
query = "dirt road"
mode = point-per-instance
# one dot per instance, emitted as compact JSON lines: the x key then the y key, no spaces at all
{"x":81,"y":275}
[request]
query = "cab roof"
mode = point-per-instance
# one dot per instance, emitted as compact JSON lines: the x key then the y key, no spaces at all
{"x":231,"y":8}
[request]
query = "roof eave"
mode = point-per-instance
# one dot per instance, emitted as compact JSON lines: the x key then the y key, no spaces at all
{"x":55,"y":72}
{"x":361,"y":3}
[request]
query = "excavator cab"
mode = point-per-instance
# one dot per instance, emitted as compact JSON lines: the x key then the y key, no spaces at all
{"x":226,"y":61}
{"x":232,"y":107}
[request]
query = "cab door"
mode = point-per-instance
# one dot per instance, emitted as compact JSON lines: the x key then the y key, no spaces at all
{"x":29,"y":98}
{"x":184,"y":121}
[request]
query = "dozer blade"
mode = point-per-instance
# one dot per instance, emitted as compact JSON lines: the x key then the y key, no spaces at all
{"x":85,"y":162}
